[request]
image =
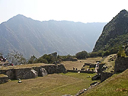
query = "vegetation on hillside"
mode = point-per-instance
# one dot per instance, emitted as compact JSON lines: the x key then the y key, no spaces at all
{"x":115,"y":33}
{"x":82,"y":55}
{"x":117,"y":85}
{"x":16,"y":58}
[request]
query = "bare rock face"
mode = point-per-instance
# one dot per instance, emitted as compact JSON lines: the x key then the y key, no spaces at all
{"x":114,"y":33}
{"x":25,"y":73}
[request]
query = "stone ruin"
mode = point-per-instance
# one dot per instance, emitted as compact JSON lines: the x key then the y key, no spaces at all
{"x":33,"y":72}
{"x":89,"y":65}
{"x":121,"y":64}
{"x":3,"y":79}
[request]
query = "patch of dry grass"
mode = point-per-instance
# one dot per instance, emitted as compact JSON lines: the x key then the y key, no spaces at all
{"x":79,"y":64}
{"x":50,"y":85}
{"x":24,"y":66}
{"x":117,"y":85}
{"x":110,"y":64}
{"x":2,"y":75}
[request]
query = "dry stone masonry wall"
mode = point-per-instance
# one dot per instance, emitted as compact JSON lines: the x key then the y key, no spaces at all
{"x":121,"y":64}
{"x":26,"y":73}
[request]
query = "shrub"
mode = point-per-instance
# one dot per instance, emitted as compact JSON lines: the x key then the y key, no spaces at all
{"x":81,"y":55}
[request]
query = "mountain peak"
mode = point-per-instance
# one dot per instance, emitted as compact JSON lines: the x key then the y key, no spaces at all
{"x":123,"y":11}
{"x":19,"y":15}
{"x":114,"y":33}
{"x":32,"y":37}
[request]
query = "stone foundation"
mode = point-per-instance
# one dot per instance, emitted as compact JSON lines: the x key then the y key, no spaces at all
{"x":3,"y":79}
{"x":105,"y":75}
{"x":25,"y":73}
{"x":33,"y":72}
{"x":121,"y":64}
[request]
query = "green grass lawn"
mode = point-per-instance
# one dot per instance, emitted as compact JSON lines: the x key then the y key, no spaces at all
{"x":117,"y":85}
{"x":50,"y":85}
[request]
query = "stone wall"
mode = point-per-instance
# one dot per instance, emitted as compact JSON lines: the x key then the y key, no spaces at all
{"x":3,"y":79}
{"x":33,"y":72}
{"x":50,"y":69}
{"x":10,"y":73}
{"x":61,"y":68}
{"x":100,"y":68}
{"x":121,"y":64}
{"x":25,"y":73}
{"x":105,"y":75}
{"x":90,"y":65}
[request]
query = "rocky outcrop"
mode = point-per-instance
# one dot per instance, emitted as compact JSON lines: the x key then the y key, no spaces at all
{"x":121,"y":64}
{"x":114,"y":33}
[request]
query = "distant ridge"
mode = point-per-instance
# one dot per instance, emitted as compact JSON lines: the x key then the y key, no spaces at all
{"x":33,"y":37}
{"x":114,"y":34}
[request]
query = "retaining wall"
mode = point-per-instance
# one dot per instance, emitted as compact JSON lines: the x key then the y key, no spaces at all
{"x":105,"y":75}
{"x":121,"y":64}
{"x":3,"y":79}
{"x":33,"y":72}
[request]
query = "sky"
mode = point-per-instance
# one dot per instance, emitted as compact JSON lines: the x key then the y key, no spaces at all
{"x":71,"y":10}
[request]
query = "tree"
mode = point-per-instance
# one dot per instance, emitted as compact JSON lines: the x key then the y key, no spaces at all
{"x":1,"y":54}
{"x":121,"y":52}
{"x":41,"y":60}
{"x":16,"y":58}
{"x":105,"y":53}
{"x":81,"y":55}
{"x":32,"y":60}
{"x":93,"y":54}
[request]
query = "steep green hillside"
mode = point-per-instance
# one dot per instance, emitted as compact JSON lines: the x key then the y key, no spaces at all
{"x":117,"y":85}
{"x":114,"y":34}
{"x":32,"y":37}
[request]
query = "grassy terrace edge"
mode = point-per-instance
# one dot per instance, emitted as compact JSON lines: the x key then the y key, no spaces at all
{"x":117,"y":85}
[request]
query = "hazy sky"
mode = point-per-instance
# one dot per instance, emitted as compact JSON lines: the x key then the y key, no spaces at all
{"x":71,"y":10}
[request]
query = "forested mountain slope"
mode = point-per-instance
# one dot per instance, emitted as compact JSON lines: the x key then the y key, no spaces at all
{"x":114,"y":34}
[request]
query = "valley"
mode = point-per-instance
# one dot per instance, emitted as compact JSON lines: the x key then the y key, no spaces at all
{"x":101,"y":71}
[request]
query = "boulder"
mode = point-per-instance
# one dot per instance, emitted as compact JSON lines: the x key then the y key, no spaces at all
{"x":42,"y":72}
